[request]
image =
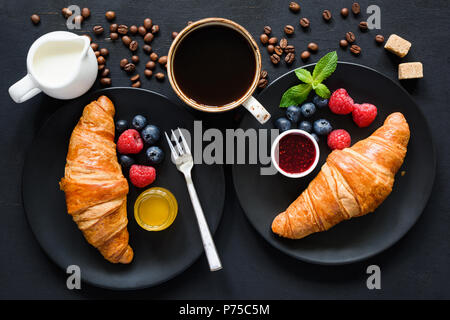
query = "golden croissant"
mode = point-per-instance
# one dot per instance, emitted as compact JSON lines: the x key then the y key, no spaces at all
{"x":95,"y":188}
{"x":353,"y":182}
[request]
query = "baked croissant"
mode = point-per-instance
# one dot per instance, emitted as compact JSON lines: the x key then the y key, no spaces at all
{"x":96,"y":191}
{"x":353,"y":182}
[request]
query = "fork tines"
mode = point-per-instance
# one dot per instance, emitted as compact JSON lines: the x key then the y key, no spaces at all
{"x":182,"y":148}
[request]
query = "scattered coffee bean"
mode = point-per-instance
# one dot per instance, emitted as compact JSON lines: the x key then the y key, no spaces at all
{"x":294,"y":7}
{"x":304,"y":22}
{"x":148,"y":38}
{"x":154,"y":56}
{"x":114,"y":36}
{"x":267,"y":30}
{"x":133,"y":29}
{"x":101,"y":67}
{"x":105,"y":81}
{"x":326,"y":15}
{"x":148,"y":73}
{"x":98,"y":30}
{"x":113,"y":27}
{"x":344,"y":12}
{"x":264,"y":38}
{"x":190,"y":22}
{"x":350,"y":37}
{"x":148,"y":24}
{"x":155,"y":29}
{"x":97,"y":53}
{"x":174,"y":34}
{"x":94,"y":46}
{"x":35,"y":19}
{"x":275,"y":58}
{"x":343,"y":43}
{"x":356,"y":50}
{"x":363,"y":26}
{"x":122,"y":29}
{"x":356,"y":8}
{"x":66,"y":12}
{"x":105,"y":73}
{"x":305,"y":55}
{"x":101,"y":60}
{"x":379,"y":38}
{"x":283,"y":43}
{"x":104,"y":52}
{"x":134,"y":45}
{"x":142,"y":31}
{"x":147,"y":49}
{"x":160,"y":76}
{"x":289,"y":48}
{"x":135,"y":78}
{"x":126,"y":40}
{"x":150,"y":65}
{"x":290,"y":57}
{"x":312,"y":46}
{"x":263,"y":74}
{"x":262,"y":83}
{"x":110,"y":15}
{"x":85,"y":12}
{"x":289,"y":30}
{"x":273,"y":40}
{"x":278,"y":50}
{"x":270,"y":48}
{"x":129,"y":67}
{"x":163,"y":60}
{"x":123,"y":62}
{"x":137,"y":84}
{"x":135,"y":59}
{"x":78,"y":19}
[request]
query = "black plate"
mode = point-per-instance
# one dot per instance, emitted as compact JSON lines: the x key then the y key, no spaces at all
{"x":159,"y":256}
{"x":358,"y":238}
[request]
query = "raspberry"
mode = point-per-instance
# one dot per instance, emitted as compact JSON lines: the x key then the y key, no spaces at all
{"x":339,"y":139}
{"x":130,"y":142}
{"x":340,"y":102}
{"x":364,"y":114}
{"x":142,"y":176}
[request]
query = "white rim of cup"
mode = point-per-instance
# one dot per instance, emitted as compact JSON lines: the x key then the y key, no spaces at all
{"x":276,"y":144}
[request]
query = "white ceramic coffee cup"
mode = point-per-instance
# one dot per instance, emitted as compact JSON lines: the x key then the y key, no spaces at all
{"x":76,"y":77}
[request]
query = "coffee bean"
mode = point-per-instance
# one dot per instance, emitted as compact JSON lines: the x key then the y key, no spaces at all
{"x":275,"y":58}
{"x":155,"y":29}
{"x":313,"y":47}
{"x":101,"y":60}
{"x":148,"y":38}
{"x":270,"y":48}
{"x":135,"y":59}
{"x":379,"y":38}
{"x":356,"y":8}
{"x":147,"y":49}
{"x":304,"y":22}
{"x":289,"y":30}
{"x":160,"y":76}
{"x":344,"y":12}
{"x":105,"y":81}
{"x":105,"y":72}
{"x":123,"y":62}
{"x":189,"y":22}
{"x":263,"y":74}
{"x":142,"y":31}
{"x":97,"y":53}
{"x":35,"y":19}
{"x":154,"y":56}
{"x":78,"y":19}
{"x":356,"y":50}
{"x":267,"y":30}
{"x":305,"y":55}
{"x":66,"y":12}
{"x":174,"y":34}
{"x":133,"y":45}
{"x":148,"y":73}
{"x":326,"y":15}
{"x":122,"y":29}
{"x":126,"y":40}
{"x":85,"y":12}
{"x":137,"y":84}
{"x":363,"y":26}
{"x":150,"y":65}
{"x":114,"y":36}
{"x":294,"y":7}
{"x":148,"y":24}
{"x":273,"y":40}
{"x":135,"y":78}
{"x":283,"y":43}
{"x":262,"y":83}
{"x":289,"y":49}
{"x":113,"y":27}
{"x":129,"y":67}
{"x":94,"y":46}
{"x":98,"y":30}
{"x":350,"y":37}
{"x":163,"y":60}
{"x":133,"y":29}
{"x":343,"y":43}
{"x":290,"y":57}
{"x":101,"y":67}
{"x":110,"y":15}
{"x":104,"y":52}
{"x":264,"y":38}
{"x":278,"y":50}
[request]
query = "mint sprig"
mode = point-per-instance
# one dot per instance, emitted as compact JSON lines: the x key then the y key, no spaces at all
{"x":324,"y":68}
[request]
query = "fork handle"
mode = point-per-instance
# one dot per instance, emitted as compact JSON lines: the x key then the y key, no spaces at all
{"x":208,"y":242}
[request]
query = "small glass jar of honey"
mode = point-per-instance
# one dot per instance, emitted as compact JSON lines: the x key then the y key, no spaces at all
{"x":155,"y":209}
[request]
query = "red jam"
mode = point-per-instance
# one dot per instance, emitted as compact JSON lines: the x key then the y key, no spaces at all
{"x":296,"y":153}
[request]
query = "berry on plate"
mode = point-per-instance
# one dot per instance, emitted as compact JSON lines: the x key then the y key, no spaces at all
{"x":320,"y":102}
{"x":150,"y":134}
{"x":130,"y":142}
{"x":283,"y":124}
{"x":154,"y":155}
{"x":339,"y":139}
{"x":126,"y":161}
{"x":322,"y":127}
{"x":308,"y":109}
{"x":142,"y":176}
{"x":305,"y":126}
{"x":340,"y":102}
{"x":293,"y":113}
{"x":364,"y":114}
{"x":121,"y":125}
{"x":139,"y":122}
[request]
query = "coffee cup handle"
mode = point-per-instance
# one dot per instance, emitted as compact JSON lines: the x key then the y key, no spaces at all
{"x":24,"y":89}
{"x":257,"y":110}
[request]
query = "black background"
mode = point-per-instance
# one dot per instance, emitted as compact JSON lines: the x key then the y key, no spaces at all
{"x":416,"y":267}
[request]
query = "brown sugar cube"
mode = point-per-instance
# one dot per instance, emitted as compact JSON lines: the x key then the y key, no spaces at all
{"x":410,"y":70}
{"x":397,"y":45}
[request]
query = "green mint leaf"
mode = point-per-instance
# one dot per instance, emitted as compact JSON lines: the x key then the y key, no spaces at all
{"x":322,"y":91}
{"x":304,"y":75}
{"x":325,"y":67}
{"x":295,"y":95}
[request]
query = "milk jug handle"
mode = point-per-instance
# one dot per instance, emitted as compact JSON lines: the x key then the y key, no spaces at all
{"x":24,"y":89}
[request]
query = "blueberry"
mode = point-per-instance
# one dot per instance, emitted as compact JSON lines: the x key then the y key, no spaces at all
{"x":155,"y":155}
{"x":293,"y":113}
{"x":139,"y":122}
{"x":308,"y":109}
{"x":150,"y":134}
{"x":283,"y":124}
{"x":320,"y":102}
{"x":126,"y":161}
{"x":322,"y":127}
{"x":305,"y":126}
{"x":121,"y":125}
{"x":315,"y":136}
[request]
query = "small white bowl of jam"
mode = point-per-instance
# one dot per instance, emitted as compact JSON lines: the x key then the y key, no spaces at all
{"x":295,"y":153}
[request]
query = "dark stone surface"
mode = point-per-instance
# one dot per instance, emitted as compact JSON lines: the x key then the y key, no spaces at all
{"x":416,"y":267}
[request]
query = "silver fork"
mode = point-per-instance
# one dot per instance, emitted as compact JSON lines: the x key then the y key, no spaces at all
{"x":184,"y":162}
